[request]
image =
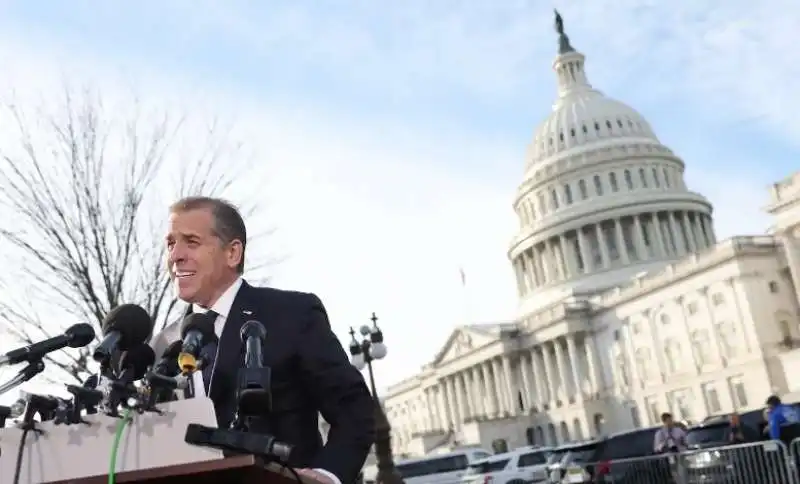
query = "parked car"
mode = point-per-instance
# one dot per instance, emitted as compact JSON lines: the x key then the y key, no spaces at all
{"x":526,"y":465}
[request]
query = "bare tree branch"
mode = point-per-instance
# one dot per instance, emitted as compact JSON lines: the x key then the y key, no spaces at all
{"x":86,"y":189}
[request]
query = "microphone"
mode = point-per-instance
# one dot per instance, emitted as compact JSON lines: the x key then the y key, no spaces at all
{"x":254,"y":336}
{"x":254,"y":393}
{"x":168,"y":364}
{"x":133,"y":366}
{"x":75,"y":336}
{"x":124,"y":327}
{"x":135,"y":362}
{"x":197,"y":329}
{"x":166,"y":375}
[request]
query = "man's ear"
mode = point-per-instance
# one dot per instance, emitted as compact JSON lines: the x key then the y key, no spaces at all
{"x":235,"y":253}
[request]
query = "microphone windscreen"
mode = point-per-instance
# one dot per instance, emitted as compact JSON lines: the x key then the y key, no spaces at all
{"x":138,"y":359}
{"x":169,"y":359}
{"x":201,"y":322}
{"x":252,"y":329}
{"x":172,"y":350}
{"x":132,"y":322}
{"x":80,"y":334}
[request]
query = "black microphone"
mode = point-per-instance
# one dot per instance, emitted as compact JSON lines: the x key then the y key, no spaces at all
{"x":254,"y":389}
{"x":124,"y":327}
{"x":197,"y":330}
{"x":133,"y":365}
{"x":165,"y":375}
{"x":254,"y":336}
{"x":44,"y":405}
{"x":75,"y":336}
{"x":135,"y":362}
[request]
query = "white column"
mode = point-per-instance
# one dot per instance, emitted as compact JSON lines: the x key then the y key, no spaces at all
{"x":622,"y":247}
{"x":638,"y":238}
{"x":552,"y":260}
{"x":544,"y":263}
{"x":530,"y":269}
{"x":445,"y":406}
{"x":591,"y":362}
{"x":461,"y":396}
{"x":568,"y":249}
{"x":697,"y":229}
{"x":550,"y":373}
{"x":660,"y":243}
{"x":500,"y":388}
{"x":791,"y":247}
{"x":573,"y":363}
{"x":537,"y":364}
{"x":455,"y":403}
{"x":490,"y":394}
{"x":687,"y":229}
{"x":601,"y":241}
{"x":676,"y":233}
{"x":527,"y":389}
{"x":563,"y":373}
{"x":510,"y":386}
{"x":586,"y":255}
{"x":476,"y":391}
{"x":430,"y":421}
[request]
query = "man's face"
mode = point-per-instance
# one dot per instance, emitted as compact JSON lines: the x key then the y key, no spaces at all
{"x":200,"y":265}
{"x":668,"y":422}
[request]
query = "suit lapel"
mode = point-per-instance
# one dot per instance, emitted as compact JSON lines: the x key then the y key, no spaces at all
{"x":230,"y":349}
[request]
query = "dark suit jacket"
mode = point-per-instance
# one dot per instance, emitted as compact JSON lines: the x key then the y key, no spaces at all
{"x":311,"y":375}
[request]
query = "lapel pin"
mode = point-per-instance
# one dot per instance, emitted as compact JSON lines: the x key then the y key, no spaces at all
{"x":247,"y":313}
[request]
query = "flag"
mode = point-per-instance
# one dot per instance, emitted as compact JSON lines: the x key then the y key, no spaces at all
{"x":463,"y":276}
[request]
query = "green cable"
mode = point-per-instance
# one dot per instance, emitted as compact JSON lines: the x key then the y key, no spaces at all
{"x":112,"y":465}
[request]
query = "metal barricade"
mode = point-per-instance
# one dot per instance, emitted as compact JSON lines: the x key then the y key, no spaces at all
{"x":655,"y":469}
{"x":767,"y":462}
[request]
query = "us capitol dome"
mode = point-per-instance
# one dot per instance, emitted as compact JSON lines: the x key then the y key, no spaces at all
{"x":602,"y":199}
{"x":628,"y":305}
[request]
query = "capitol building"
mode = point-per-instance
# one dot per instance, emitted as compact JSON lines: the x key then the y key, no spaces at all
{"x":629,"y":306}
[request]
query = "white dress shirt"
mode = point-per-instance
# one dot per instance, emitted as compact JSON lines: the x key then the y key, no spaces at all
{"x":223,"y":308}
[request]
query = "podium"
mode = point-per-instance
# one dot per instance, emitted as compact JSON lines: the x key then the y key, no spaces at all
{"x":152,"y":449}
{"x":233,"y":470}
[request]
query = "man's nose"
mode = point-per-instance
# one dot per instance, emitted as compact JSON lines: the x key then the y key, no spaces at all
{"x":176,"y":254}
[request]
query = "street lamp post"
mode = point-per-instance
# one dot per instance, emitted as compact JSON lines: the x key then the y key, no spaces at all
{"x":363,"y":353}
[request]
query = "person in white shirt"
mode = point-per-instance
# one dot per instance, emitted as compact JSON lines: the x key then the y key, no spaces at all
{"x":670,"y":437}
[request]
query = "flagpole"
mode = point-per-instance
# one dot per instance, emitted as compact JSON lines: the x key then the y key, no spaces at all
{"x":465,"y":296}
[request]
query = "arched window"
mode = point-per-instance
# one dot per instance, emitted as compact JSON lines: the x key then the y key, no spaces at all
{"x":612,"y":180}
{"x":628,"y":179}
{"x":598,"y":185}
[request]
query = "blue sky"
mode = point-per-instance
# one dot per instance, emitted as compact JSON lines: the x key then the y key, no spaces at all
{"x":394,"y":132}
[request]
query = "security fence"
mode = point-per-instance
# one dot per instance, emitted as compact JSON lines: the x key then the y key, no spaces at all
{"x":768,"y":462}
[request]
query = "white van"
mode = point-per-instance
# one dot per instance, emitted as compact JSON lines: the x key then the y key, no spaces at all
{"x":520,"y":466}
{"x":440,"y":469}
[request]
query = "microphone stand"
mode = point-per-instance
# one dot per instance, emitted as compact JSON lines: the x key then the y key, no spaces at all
{"x":26,"y":374}
{"x":5,"y":413}
{"x":254,"y":400}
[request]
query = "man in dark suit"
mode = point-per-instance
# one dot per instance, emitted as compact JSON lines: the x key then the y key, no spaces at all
{"x":311,"y":374}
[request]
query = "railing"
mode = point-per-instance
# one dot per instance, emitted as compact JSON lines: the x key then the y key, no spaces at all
{"x":768,"y":462}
